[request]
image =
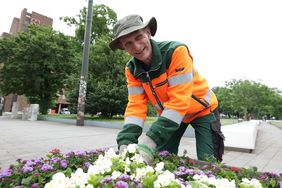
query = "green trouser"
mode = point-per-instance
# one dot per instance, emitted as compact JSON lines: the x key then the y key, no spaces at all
{"x":203,"y":133}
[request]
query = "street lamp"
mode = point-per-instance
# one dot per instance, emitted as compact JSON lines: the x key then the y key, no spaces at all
{"x":84,"y":67}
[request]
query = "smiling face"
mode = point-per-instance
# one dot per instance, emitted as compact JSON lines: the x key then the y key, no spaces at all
{"x":138,"y":45}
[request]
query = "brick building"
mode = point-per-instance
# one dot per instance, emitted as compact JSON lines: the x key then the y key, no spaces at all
{"x":20,"y":25}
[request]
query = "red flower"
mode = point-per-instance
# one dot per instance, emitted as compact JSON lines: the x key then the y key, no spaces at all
{"x":235,"y":169}
{"x":191,"y":161}
{"x":55,"y":150}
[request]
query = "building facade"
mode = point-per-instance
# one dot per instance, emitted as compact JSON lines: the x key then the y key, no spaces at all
{"x":20,"y":25}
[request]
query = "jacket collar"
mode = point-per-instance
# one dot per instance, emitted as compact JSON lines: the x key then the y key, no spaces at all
{"x":156,"y":60}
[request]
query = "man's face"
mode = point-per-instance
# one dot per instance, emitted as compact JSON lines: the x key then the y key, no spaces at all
{"x":138,"y":45}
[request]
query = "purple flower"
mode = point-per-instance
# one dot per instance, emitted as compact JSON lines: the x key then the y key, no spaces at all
{"x":27,"y":169}
{"x":35,"y":185}
{"x":177,"y":173}
{"x":121,"y":184}
{"x":210,"y":174}
{"x":137,"y":183}
{"x":93,"y":151}
{"x":280,"y":184}
{"x":64,"y":164}
{"x":107,"y":180}
{"x":125,"y":177}
{"x":46,"y":167}
{"x":6,"y":173}
{"x":189,"y":171}
{"x":164,"y":153}
{"x":264,"y":177}
{"x":199,"y":172}
{"x":30,"y":163}
{"x":69,"y":154}
{"x":80,"y":153}
{"x":205,"y":166}
{"x":55,"y":160}
{"x":102,"y":150}
{"x":182,"y":168}
{"x":87,"y":164}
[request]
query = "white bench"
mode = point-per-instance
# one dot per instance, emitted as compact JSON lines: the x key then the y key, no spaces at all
{"x":241,"y":135}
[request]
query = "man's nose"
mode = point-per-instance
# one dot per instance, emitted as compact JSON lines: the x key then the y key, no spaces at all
{"x":136,"y":46}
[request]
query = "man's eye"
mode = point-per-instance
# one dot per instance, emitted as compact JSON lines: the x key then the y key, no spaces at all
{"x":139,"y":37}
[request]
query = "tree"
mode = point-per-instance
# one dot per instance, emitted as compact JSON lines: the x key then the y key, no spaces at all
{"x":106,"y":86}
{"x":103,"y":20}
{"x":36,"y":64}
{"x":246,"y":96}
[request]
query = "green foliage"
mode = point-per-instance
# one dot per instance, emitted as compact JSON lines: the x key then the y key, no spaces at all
{"x":37,"y":64}
{"x":149,"y":180}
{"x":106,"y":86}
{"x":103,"y":20}
{"x":245,"y":96}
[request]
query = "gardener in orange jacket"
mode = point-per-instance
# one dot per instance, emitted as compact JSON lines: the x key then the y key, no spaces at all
{"x":164,"y":74}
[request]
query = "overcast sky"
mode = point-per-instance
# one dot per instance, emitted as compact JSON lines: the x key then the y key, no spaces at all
{"x":228,"y":39}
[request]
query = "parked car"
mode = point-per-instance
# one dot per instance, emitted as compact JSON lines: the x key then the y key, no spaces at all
{"x":65,"y":111}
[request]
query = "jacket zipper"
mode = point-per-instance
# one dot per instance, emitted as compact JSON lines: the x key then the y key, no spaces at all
{"x":153,"y":91}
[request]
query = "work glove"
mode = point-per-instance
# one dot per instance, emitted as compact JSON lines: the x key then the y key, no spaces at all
{"x":146,"y":148}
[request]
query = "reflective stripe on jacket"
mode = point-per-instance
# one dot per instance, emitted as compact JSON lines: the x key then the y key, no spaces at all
{"x":168,"y":85}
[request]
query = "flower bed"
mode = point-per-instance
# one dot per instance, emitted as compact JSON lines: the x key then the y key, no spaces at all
{"x":104,"y":168}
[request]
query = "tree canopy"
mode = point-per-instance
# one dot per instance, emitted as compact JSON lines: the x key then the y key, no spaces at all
{"x":36,"y":64}
{"x":106,"y":86}
{"x":246,"y":96}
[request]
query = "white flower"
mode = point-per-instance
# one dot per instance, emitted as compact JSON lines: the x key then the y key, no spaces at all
{"x":79,"y":178}
{"x":141,"y":172}
{"x":164,"y":179}
{"x":93,"y":170}
{"x":123,"y":154}
{"x":253,"y":182}
{"x":137,"y":158}
{"x":159,"y":167}
{"x":59,"y":180}
{"x":111,"y":154}
{"x":127,"y":161}
{"x":131,"y":148}
{"x":116,"y":174}
{"x":221,"y":183}
{"x":218,"y":183}
{"x":201,"y":177}
{"x":101,"y":165}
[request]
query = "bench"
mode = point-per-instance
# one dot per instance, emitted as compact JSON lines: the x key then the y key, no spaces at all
{"x":241,"y":135}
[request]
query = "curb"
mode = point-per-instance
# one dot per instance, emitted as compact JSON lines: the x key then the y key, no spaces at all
{"x":113,"y":125}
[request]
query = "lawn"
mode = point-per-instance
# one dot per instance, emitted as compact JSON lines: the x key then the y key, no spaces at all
{"x":149,"y":120}
{"x":277,"y":123}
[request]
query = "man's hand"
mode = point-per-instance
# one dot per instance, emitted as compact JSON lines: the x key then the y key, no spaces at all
{"x":146,"y":148}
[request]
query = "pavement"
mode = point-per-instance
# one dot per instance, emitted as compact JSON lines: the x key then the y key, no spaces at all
{"x":34,"y":139}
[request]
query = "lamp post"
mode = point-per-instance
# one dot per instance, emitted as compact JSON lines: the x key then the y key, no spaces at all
{"x":84,"y":67}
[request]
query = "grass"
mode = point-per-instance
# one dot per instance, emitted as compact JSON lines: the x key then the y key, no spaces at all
{"x":149,"y":120}
{"x":277,"y":123}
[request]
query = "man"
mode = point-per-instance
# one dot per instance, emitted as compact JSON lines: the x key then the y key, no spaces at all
{"x":163,"y":73}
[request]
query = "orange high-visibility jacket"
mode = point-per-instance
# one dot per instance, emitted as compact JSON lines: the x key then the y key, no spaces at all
{"x":172,"y":85}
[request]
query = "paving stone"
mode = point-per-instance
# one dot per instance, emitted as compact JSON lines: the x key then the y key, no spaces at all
{"x":34,"y":139}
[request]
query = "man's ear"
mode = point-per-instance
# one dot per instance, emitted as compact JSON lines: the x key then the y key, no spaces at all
{"x":148,"y":31}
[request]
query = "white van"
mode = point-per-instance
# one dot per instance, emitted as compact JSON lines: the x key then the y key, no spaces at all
{"x":65,"y":111}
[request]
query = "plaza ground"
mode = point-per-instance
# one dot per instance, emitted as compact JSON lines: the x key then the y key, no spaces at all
{"x":34,"y":139}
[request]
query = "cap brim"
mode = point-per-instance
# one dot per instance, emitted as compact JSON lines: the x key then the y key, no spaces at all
{"x":152,"y":24}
